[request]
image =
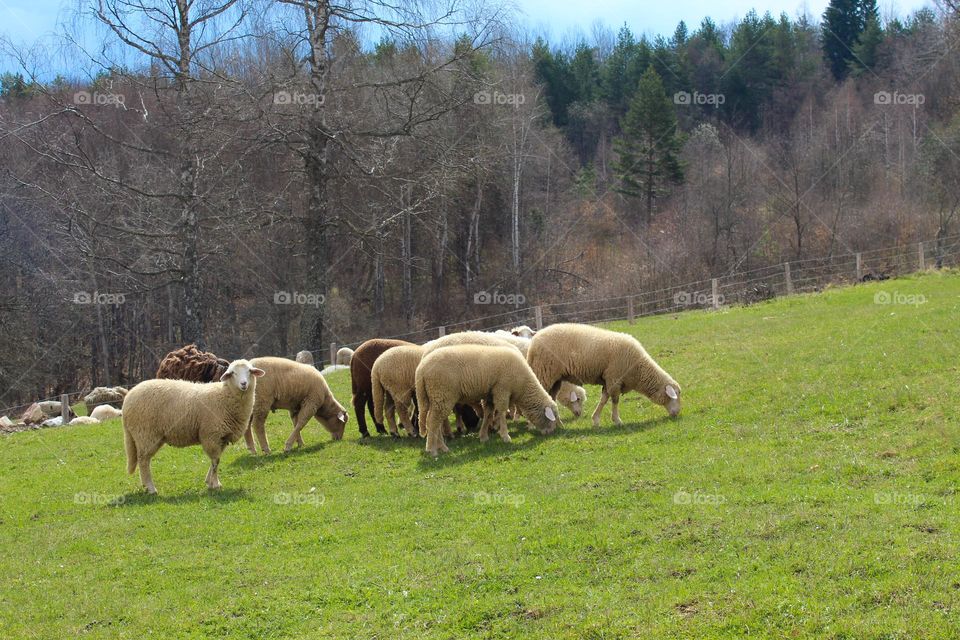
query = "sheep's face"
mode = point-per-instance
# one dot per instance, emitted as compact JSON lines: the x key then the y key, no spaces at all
{"x":547,"y":419}
{"x":242,"y":375}
{"x":670,"y":399}
{"x":573,"y":402}
{"x":335,"y":423}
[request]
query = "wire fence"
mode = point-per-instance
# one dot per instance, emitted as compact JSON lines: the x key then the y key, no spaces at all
{"x":737,"y":288}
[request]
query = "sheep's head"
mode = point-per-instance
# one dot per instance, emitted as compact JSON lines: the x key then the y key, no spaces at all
{"x":546,"y":418}
{"x":241,"y":375}
{"x":572,"y":400}
{"x":669,"y":398}
{"x":334,"y":419}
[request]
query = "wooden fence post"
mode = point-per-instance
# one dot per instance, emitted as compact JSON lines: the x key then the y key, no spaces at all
{"x":786,"y":273}
{"x":859,"y":267}
{"x":630,"y":314}
{"x":921,"y":256}
{"x":442,"y":331}
{"x":333,"y":353}
{"x":65,"y":408}
{"x":715,"y":293}
{"x":538,"y":316}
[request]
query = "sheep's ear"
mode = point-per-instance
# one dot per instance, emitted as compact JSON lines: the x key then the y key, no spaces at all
{"x":551,"y":416}
{"x":257,"y":372}
{"x":226,"y":374}
{"x":343,"y":417}
{"x":573,"y":396}
{"x":671,"y":392}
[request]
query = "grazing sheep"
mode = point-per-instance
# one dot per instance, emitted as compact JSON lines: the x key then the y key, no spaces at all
{"x":189,"y":363}
{"x":305,"y":357}
{"x":588,"y":355}
{"x":393,"y":382}
{"x":361,"y":367}
{"x":181,"y":414}
{"x":330,"y":368}
{"x":301,"y":390}
{"x":104,"y":395}
{"x":84,"y":420}
{"x":105,"y":412}
{"x":344,"y":355}
{"x":471,"y":373}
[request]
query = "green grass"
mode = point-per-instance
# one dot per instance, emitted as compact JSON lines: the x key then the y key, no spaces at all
{"x":808,"y":489}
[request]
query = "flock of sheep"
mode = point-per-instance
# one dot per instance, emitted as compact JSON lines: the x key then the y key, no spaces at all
{"x":482,"y":378}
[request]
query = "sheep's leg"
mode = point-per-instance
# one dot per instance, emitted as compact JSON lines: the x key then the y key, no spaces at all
{"x":389,"y":414}
{"x":380,"y":428}
{"x":600,"y":405}
{"x":306,"y":412}
{"x":144,"y":455}
{"x":359,"y":402}
{"x":248,"y":438}
{"x":488,"y":416}
{"x":434,"y":421}
{"x":402,"y":409}
{"x":615,"y":401}
{"x":260,"y":428}
{"x":213,"y":451}
{"x":499,"y":408}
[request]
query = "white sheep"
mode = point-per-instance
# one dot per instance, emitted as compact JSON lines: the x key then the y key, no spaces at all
{"x":301,"y":390}
{"x":393,"y":382}
{"x":84,"y":420}
{"x":105,"y":412}
{"x":344,"y":355}
{"x":464,"y":374}
{"x":589,"y":355}
{"x":304,"y":357}
{"x":182,"y":414}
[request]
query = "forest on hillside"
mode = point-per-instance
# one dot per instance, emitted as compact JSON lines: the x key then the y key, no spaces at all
{"x":266,"y":176}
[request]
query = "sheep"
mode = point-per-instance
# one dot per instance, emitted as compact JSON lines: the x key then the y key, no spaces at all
{"x":588,"y":355}
{"x":300,"y":389}
{"x":393,"y":381}
{"x":344,"y":355}
{"x":331,"y":368}
{"x":571,"y":396}
{"x":104,"y":395}
{"x":361,"y":367}
{"x":189,"y":363}
{"x":84,"y":420}
{"x":523,"y":331}
{"x":182,"y":413}
{"x":472,"y":373}
{"x":304,"y":357}
{"x":105,"y":412}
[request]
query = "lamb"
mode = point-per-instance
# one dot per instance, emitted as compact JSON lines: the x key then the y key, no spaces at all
{"x":300,"y":389}
{"x":105,"y":412}
{"x":393,"y":381}
{"x":304,"y":357}
{"x":189,"y":363}
{"x":588,"y":355}
{"x":84,"y":420}
{"x":344,"y":355}
{"x":523,"y":331}
{"x":471,"y":373}
{"x":182,"y":413}
{"x":361,"y":367}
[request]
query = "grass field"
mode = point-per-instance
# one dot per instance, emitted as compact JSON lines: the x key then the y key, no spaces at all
{"x":808,"y":489}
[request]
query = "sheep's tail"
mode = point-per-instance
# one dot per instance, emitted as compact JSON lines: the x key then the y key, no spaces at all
{"x":377,"y":392}
{"x":423,"y":403}
{"x":131,"y":448}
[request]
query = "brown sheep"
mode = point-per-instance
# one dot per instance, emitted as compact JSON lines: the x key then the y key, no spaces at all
{"x":361,"y":365}
{"x":192,"y":364}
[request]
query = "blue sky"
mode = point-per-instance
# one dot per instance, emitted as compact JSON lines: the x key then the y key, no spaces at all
{"x":24,"y":21}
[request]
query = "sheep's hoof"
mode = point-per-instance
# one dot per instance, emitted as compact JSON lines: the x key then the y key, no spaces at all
{"x":506,"y":437}
{"x":596,"y":423}
{"x":215,"y":487}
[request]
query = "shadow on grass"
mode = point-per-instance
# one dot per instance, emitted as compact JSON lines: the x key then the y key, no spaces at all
{"x":249,"y":461}
{"x":141,"y":498}
{"x":470,"y":449}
